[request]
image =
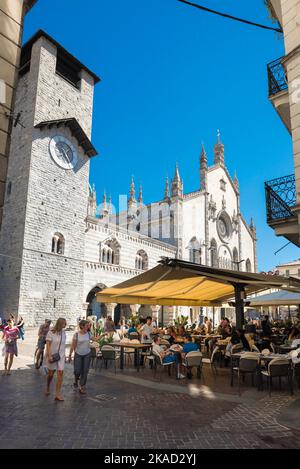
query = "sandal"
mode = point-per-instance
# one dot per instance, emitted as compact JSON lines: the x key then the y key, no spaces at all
{"x":82,"y":391}
{"x":60,"y":399}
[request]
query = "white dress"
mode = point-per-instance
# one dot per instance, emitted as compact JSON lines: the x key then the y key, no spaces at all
{"x":55,"y":341}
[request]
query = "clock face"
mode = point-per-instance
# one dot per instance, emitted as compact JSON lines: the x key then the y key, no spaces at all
{"x":63,"y":152}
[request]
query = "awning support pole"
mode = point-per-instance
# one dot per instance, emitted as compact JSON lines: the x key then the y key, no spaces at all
{"x":239,"y":292}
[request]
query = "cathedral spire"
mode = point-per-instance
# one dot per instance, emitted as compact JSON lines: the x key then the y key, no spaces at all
{"x":176,"y":175}
{"x":166,"y":196}
{"x":140,"y":199}
{"x":203,"y":168}
{"x":104,"y":210}
{"x":109,"y":205}
{"x":177,"y":185}
{"x":132,"y":191}
{"x":236,"y":182}
{"x":219,"y":151}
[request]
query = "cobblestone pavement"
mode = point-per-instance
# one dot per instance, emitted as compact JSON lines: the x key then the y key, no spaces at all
{"x":131,"y":411}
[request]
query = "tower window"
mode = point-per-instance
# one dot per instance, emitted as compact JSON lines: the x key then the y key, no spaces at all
{"x":58,"y":244}
{"x":67,"y":69}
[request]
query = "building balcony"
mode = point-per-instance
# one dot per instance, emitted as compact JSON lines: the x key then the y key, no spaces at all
{"x":278,"y":91}
{"x":280,"y":204}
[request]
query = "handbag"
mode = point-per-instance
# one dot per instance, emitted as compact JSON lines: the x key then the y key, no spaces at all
{"x":56,"y":356}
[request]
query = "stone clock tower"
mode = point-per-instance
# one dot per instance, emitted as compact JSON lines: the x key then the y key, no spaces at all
{"x":43,"y":229}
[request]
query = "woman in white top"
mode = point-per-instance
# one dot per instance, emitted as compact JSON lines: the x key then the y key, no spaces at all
{"x":56,"y":344}
{"x":81,"y":345}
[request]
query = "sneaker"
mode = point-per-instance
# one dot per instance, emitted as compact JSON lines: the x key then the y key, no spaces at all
{"x":180,"y":376}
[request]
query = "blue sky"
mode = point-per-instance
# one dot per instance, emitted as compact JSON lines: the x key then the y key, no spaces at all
{"x":171,"y":76}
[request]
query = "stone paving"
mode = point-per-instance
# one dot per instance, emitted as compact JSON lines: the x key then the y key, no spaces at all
{"x":131,"y":410}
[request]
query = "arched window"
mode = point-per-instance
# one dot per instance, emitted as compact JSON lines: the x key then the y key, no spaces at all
{"x":213,"y":253}
{"x":58,"y":244}
{"x":248,"y":266}
{"x":235,"y":259}
{"x":141,"y":260}
{"x":194,"y":250}
{"x":110,"y":252}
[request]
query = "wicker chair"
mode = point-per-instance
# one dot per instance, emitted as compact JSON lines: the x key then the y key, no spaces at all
{"x":158,"y":363}
{"x":109,"y":353}
{"x":248,"y":364}
{"x":278,"y":368}
{"x":212,"y":360}
{"x":194,"y":359}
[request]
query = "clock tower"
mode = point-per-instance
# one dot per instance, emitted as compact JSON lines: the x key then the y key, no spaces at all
{"x":43,"y":230}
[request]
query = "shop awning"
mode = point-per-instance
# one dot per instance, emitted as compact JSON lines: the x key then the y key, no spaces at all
{"x":278,"y":298}
{"x":181,"y":283}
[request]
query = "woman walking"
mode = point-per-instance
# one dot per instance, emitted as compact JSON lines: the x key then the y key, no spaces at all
{"x":55,"y":356}
{"x":81,"y":346}
{"x":10,"y":336}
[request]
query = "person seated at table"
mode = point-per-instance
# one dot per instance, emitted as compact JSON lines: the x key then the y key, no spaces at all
{"x":189,"y":346}
{"x":109,"y":326}
{"x":167,"y":356}
{"x":132,"y":328}
{"x":243,"y":340}
{"x":181,"y":331}
{"x":224,"y":328}
{"x":266,"y":327}
{"x":201,"y":330}
{"x":207,"y":326}
{"x":293,"y":334}
{"x":172,"y":333}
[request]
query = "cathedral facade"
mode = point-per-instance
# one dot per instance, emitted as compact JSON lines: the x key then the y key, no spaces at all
{"x":57,"y":247}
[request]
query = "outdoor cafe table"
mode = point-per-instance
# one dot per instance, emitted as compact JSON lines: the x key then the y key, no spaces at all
{"x":286,"y":348}
{"x":235,"y":357}
{"x":136,"y":347}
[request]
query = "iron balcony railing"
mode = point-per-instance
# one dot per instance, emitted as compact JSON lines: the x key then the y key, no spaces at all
{"x":276,"y":77}
{"x":280,"y":197}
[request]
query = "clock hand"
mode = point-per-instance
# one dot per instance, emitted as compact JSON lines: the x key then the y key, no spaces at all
{"x":66,"y":155}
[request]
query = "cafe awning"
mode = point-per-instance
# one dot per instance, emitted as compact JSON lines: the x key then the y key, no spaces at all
{"x":278,"y":298}
{"x":181,"y":283}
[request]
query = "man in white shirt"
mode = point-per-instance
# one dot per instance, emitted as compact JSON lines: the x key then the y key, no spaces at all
{"x":147,"y":331}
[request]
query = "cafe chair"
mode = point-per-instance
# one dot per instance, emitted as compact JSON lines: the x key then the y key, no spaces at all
{"x":212,"y":360}
{"x":295,"y":356}
{"x":158,"y":363}
{"x":109,"y":353}
{"x":248,"y":364}
{"x":194,"y":359}
{"x":278,"y":368}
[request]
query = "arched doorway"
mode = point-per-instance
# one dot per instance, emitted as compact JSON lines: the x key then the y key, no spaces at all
{"x":121,"y":311}
{"x":94,"y":308}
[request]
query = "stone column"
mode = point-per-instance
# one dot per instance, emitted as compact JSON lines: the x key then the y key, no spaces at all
{"x":111,"y":309}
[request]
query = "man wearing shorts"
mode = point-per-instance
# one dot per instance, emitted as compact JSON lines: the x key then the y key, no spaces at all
{"x":43,"y":331}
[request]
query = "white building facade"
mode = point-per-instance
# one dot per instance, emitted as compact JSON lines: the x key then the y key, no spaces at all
{"x":56,"y":250}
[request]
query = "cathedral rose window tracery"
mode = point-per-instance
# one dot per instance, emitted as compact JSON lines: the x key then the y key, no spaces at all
{"x":224,"y":226}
